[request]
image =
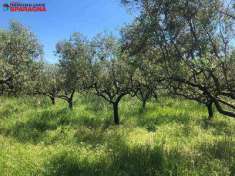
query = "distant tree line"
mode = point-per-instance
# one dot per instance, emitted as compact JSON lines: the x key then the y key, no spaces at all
{"x":176,"y":48}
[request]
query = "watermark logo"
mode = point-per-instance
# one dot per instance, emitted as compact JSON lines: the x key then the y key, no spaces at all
{"x":24,"y":7}
{"x":6,"y":7}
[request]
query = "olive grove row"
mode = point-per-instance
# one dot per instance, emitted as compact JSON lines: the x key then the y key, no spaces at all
{"x":176,"y":48}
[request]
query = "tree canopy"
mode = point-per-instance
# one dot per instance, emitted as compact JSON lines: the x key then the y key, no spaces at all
{"x":20,"y":56}
{"x":194,"y":38}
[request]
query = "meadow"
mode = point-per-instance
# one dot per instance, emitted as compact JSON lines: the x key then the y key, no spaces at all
{"x":172,"y":137}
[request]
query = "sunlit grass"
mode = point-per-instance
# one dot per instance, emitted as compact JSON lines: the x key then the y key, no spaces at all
{"x":171,"y":137}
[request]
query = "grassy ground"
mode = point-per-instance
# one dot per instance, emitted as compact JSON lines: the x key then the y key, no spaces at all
{"x":171,"y":138}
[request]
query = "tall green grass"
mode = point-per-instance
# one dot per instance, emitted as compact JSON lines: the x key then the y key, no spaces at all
{"x":172,"y":137}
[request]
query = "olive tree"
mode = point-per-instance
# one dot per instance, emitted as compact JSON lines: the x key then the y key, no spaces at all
{"x":195,"y":40}
{"x":48,"y":82}
{"x":74,"y":61}
{"x":147,"y":79}
{"x":20,"y":56}
{"x":111,"y":74}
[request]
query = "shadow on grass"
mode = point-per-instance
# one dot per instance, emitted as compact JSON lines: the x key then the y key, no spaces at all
{"x":34,"y":129}
{"x":222,"y":152}
{"x":8,"y":110}
{"x":93,"y":103}
{"x":223,"y":149}
{"x":111,"y":137}
{"x":219,"y":126}
{"x":124,"y":161}
{"x":137,"y":161}
{"x":151,"y":123}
